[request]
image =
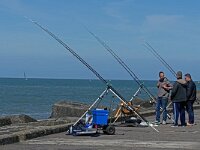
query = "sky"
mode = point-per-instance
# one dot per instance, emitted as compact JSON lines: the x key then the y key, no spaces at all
{"x":171,"y":27}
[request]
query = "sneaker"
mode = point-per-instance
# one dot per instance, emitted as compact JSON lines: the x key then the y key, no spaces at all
{"x":156,"y":122}
{"x":189,"y":124}
{"x":164,"y":122}
{"x":174,"y":126}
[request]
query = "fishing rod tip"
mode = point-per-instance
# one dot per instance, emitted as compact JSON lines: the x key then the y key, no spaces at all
{"x":31,"y":20}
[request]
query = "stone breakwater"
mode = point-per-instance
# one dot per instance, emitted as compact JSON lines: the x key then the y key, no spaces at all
{"x":16,"y":119}
{"x":68,"y":109}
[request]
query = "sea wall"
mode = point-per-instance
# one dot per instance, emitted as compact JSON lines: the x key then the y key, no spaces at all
{"x":16,"y":119}
{"x":64,"y":109}
{"x":71,"y":110}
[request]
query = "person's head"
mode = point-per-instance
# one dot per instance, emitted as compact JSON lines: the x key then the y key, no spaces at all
{"x":161,"y":74}
{"x":188,"y":77}
{"x":179,"y":75}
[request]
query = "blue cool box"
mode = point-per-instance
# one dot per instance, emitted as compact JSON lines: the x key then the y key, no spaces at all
{"x":100,"y":117}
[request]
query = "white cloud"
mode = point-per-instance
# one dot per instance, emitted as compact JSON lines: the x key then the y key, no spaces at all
{"x":154,"y":23}
{"x":116,"y":9}
{"x":118,"y":12}
{"x":163,"y":26}
{"x":158,"y":20}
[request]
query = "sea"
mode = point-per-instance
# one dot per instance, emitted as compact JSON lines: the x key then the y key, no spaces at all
{"x":35,"y":97}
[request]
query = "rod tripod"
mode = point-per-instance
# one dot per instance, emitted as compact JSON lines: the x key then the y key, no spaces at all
{"x":120,"y":109}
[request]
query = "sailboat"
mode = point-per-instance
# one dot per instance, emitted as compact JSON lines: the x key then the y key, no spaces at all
{"x":25,"y":76}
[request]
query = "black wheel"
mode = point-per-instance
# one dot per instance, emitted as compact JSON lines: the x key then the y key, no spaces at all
{"x":110,"y":130}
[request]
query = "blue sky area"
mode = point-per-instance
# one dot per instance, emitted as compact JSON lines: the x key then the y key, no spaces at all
{"x":171,"y":26}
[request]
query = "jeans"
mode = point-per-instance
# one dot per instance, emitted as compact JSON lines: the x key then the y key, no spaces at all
{"x":161,"y":103}
{"x":179,"y":109}
{"x":190,"y":111}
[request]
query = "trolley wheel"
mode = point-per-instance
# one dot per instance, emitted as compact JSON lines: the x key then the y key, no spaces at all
{"x":110,"y":130}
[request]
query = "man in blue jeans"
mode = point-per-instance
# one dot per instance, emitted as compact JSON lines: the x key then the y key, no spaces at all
{"x":164,"y":87}
{"x":191,"y":97}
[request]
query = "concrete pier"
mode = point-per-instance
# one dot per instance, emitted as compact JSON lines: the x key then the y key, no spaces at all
{"x":137,"y":138}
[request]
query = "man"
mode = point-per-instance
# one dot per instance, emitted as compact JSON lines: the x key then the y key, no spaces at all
{"x":191,"y":97}
{"x":178,"y":97}
{"x":163,"y":86}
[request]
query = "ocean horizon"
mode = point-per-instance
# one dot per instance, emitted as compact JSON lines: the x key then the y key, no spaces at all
{"x":35,"y":96}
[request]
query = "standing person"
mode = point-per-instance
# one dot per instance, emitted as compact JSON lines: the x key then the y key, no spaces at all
{"x":163,"y":86}
{"x":178,"y":97}
{"x":191,"y":97}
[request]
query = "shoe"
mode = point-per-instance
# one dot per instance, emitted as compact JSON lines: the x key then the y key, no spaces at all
{"x":183,"y":124}
{"x":164,"y":122}
{"x":156,"y":123}
{"x":190,"y":124}
{"x":174,"y":126}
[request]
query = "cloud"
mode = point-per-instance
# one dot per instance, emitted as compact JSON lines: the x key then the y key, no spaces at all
{"x":157,"y":20}
{"x":118,"y":12}
{"x":161,"y":22}
{"x":117,"y":9}
{"x":113,"y":10}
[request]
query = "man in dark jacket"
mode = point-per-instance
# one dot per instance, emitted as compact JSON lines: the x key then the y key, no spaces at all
{"x":191,"y":97}
{"x":178,"y":97}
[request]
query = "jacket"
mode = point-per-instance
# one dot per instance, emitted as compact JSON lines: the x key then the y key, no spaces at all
{"x":162,"y":92}
{"x":191,"y":91}
{"x":178,"y":93}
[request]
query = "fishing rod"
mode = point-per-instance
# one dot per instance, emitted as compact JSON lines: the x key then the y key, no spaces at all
{"x":124,"y":65}
{"x":157,"y":55}
{"x":109,"y":86}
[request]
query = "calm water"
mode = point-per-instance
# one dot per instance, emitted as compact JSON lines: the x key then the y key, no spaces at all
{"x":35,"y":97}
